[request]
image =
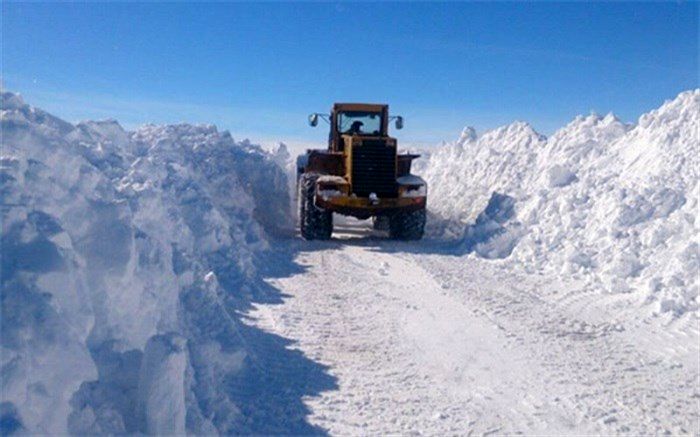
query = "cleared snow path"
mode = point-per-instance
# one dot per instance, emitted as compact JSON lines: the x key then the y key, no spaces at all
{"x":425,"y":342}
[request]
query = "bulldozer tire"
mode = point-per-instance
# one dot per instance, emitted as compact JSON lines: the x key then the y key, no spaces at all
{"x":380,"y":223}
{"x":407,"y":225}
{"x":314,"y":222}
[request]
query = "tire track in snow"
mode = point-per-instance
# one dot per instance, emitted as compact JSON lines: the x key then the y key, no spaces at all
{"x":434,"y":344}
{"x":608,"y":373}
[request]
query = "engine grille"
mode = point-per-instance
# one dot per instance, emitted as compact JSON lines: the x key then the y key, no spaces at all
{"x":374,"y":169}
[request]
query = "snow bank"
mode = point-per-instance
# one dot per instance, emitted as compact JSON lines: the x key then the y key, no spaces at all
{"x":612,"y":203}
{"x":463,"y":176}
{"x":125,"y":256}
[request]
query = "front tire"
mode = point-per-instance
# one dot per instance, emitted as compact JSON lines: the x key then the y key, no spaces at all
{"x":380,"y":223}
{"x":314,"y":223}
{"x":407,"y":225}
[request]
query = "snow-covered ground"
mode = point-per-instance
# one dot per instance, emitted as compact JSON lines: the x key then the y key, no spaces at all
{"x":150,"y":285}
{"x":423,"y":341}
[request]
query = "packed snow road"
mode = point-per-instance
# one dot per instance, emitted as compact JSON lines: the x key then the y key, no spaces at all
{"x":423,"y":341}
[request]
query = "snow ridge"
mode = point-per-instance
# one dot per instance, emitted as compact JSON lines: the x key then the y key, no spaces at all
{"x":611,"y":203}
{"x":125,"y":259}
{"x":468,"y":171}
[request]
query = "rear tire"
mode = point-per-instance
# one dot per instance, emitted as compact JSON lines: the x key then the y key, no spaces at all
{"x":314,"y":223}
{"x":407,"y":225}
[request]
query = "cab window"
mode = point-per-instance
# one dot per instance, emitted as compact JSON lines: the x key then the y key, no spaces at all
{"x":359,"y":123}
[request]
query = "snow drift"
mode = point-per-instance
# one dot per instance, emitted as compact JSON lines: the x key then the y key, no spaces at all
{"x":126,"y":257}
{"x":611,"y":203}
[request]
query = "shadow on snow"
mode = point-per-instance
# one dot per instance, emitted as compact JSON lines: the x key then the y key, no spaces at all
{"x":493,"y":235}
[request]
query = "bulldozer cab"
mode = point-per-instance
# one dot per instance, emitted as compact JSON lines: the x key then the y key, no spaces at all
{"x":355,"y":119}
{"x":360,"y":119}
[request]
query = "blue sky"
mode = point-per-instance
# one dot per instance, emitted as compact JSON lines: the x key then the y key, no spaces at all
{"x":259,"y":69}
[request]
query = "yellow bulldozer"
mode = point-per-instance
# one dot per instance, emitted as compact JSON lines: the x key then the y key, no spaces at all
{"x":360,"y":174}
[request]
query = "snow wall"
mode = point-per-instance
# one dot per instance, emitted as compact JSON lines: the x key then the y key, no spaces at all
{"x":600,"y":200}
{"x":126,"y":260}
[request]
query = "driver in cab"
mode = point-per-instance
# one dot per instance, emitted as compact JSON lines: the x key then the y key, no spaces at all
{"x":355,"y":128}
